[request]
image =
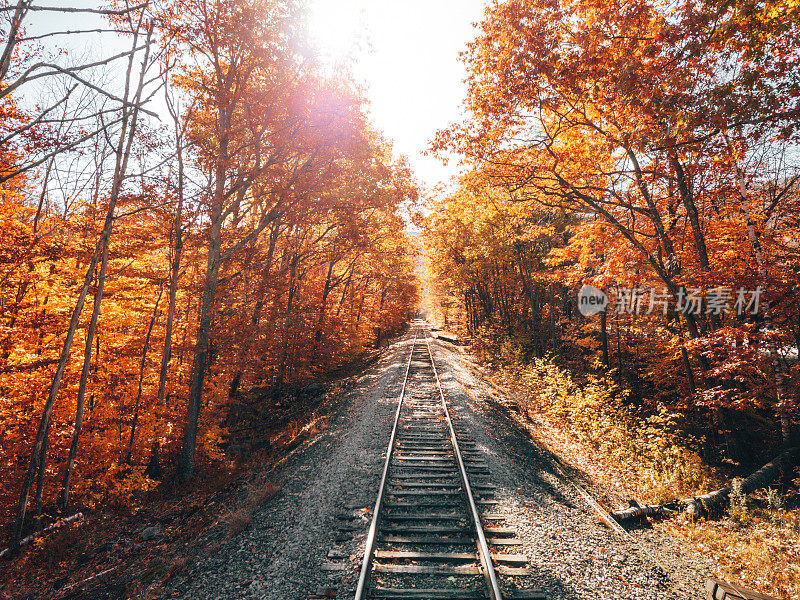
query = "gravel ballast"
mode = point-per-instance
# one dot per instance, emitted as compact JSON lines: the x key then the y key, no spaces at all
{"x":308,"y":540}
{"x":572,"y":554}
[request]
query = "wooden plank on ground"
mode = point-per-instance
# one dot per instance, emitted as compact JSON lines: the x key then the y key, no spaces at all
{"x":410,"y":529}
{"x":428,"y":569}
{"x":428,"y":539}
{"x":434,"y":492}
{"x":430,"y":516}
{"x":499,"y":531}
{"x":503,"y":542}
{"x":514,"y":571}
{"x":723,"y":590}
{"x":425,"y":594}
{"x":432,"y":556}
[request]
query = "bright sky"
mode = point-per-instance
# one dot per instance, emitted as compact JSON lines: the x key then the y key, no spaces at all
{"x":405,"y":51}
{"x":407,"y":54}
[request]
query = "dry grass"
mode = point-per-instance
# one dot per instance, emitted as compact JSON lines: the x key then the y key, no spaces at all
{"x":257,"y":497}
{"x":241,"y":518}
{"x":752,"y":546}
{"x":299,"y":430}
{"x":176,"y":566}
{"x":237,"y":521}
{"x":759,"y":554}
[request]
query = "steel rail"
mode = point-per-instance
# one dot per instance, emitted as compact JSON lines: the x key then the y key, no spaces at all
{"x":483,"y":547}
{"x":373,"y":526}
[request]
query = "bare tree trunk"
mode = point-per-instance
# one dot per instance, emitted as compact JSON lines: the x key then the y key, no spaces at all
{"x":42,"y":195}
{"x":177,"y":232}
{"x":687,"y":197}
{"x":713,"y":502}
{"x":780,"y":465}
{"x":787,"y":433}
{"x":37,"y":503}
{"x":166,"y":353}
{"x":128,"y":127}
{"x":604,"y":339}
{"x":201,"y":354}
{"x":141,"y":372}
{"x":346,"y":287}
{"x":553,"y":339}
{"x":323,"y":305}
{"x":231,"y":81}
{"x":796,"y":332}
{"x":287,"y":324}
{"x":127,"y":134}
{"x":379,"y":332}
{"x":87,"y":360}
{"x":256,"y":317}
{"x":687,"y":367}
{"x":361,"y":301}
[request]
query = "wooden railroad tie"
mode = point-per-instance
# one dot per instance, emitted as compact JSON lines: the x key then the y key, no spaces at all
{"x":723,"y":590}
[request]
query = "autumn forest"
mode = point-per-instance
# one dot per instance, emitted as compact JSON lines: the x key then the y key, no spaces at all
{"x":649,"y":150}
{"x":200,"y":222}
{"x":154,"y":269}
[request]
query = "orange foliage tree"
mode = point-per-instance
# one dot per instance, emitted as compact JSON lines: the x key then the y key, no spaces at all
{"x":658,"y":140}
{"x":255,"y":242}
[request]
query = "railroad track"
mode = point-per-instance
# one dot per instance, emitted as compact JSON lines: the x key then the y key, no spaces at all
{"x":433,"y":534}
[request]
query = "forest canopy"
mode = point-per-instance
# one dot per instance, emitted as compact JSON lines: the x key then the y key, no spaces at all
{"x":648,"y":149}
{"x":202,"y":220}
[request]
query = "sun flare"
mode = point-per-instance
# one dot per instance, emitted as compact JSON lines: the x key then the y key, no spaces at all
{"x":337,"y":27}
{"x":405,"y":54}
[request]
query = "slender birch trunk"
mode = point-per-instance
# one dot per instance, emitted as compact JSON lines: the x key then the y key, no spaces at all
{"x":127,"y":128}
{"x":787,"y":434}
{"x":124,"y":146}
{"x":177,"y":232}
{"x":141,"y":372}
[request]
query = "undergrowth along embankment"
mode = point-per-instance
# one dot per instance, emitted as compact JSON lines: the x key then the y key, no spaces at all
{"x":648,"y":452}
